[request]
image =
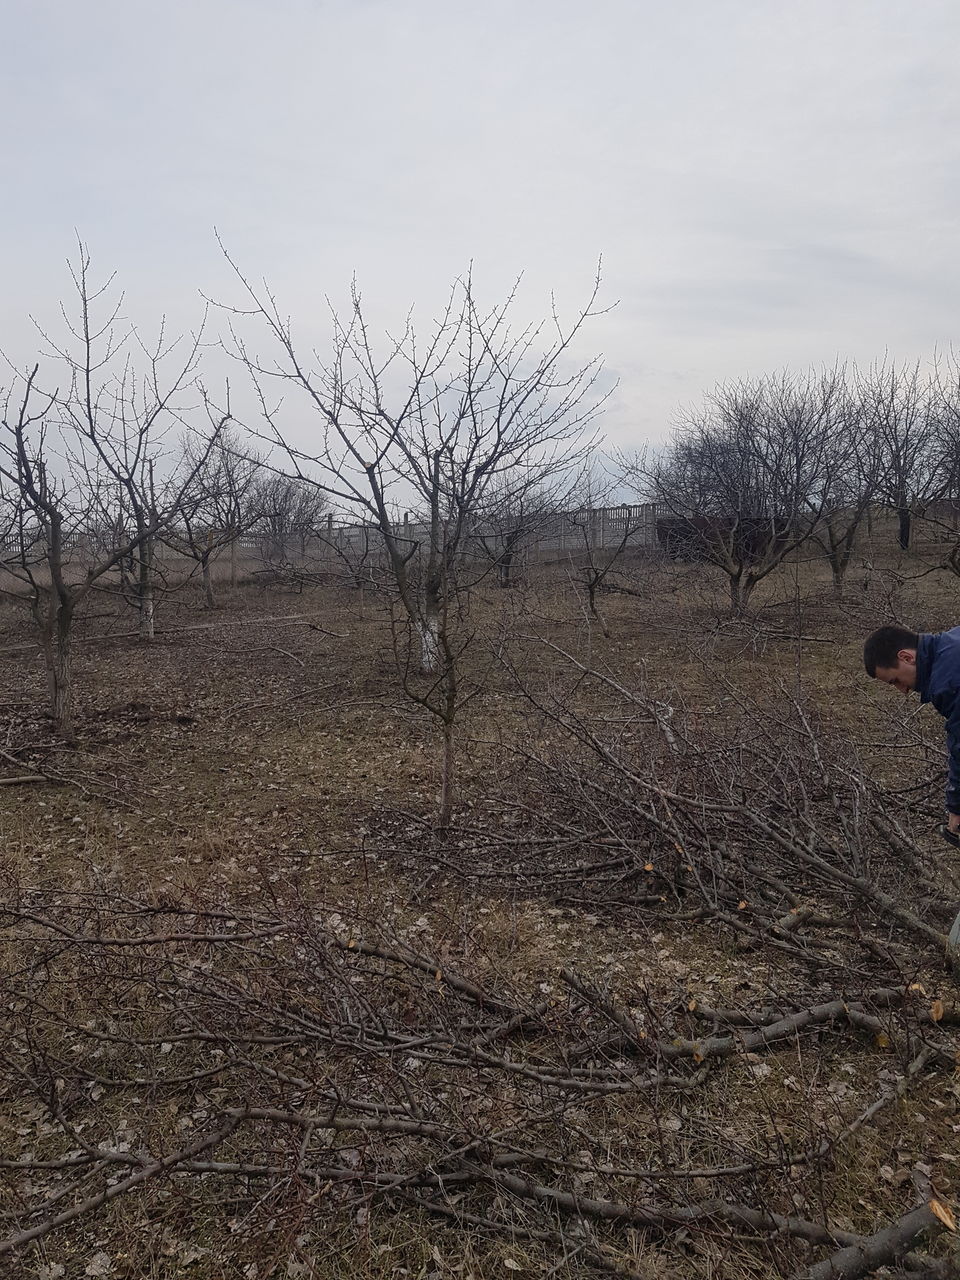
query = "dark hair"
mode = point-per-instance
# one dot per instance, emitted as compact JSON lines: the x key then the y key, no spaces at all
{"x":883,"y":645}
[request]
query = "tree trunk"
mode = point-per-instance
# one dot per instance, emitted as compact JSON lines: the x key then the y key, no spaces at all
{"x":126,"y":576}
{"x":838,"y":557}
{"x":446,"y":777}
{"x":741,"y":589}
{"x":146,"y":615}
{"x":594,"y":610}
{"x":207,"y":584}
{"x":57,"y":654}
{"x":145,"y":602}
{"x":428,"y":624}
{"x":508,"y":558}
{"x":429,"y":633}
{"x":903,"y":532}
{"x":63,"y":690}
{"x":233,"y":565}
{"x":146,"y":609}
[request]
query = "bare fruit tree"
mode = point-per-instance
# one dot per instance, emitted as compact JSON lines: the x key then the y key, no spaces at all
{"x":124,"y":399}
{"x":940,"y":515}
{"x":854,"y":467}
{"x":604,"y":533}
{"x":902,"y":412}
{"x":80,"y":469}
{"x":438,"y":425}
{"x":441,"y":425}
{"x":221,"y":503}
{"x":290,"y":513}
{"x":511,"y":521}
{"x":746,"y":480}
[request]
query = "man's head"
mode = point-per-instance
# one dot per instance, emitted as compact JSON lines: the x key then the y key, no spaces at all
{"x":890,"y":655}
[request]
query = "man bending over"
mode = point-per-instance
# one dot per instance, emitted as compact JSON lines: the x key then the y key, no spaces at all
{"x":929,"y":663}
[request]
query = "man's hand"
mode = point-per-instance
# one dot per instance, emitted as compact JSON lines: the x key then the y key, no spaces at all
{"x":953,"y":821}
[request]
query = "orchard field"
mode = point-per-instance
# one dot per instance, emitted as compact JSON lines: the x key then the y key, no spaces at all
{"x":668,"y":997}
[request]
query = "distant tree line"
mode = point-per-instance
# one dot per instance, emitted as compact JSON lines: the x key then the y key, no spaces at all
{"x":769,"y":463}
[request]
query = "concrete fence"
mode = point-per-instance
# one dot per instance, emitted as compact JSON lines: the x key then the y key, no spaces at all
{"x":535,"y":539}
{"x":538,"y":539}
{"x":556,"y":533}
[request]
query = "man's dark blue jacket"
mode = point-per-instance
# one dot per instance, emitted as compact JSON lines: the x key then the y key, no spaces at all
{"x":938,"y":681}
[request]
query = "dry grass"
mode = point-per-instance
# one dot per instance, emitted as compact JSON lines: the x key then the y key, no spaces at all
{"x":272,"y":770}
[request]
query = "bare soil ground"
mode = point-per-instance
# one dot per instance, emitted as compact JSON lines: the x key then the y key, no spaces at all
{"x":668,"y":999}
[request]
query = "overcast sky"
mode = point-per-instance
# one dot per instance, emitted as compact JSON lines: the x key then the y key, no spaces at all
{"x":768,"y":184}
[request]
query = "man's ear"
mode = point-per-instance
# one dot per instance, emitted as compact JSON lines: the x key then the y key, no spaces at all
{"x":907,"y":656}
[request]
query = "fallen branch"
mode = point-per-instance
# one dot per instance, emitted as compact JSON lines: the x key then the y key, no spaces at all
{"x":148,"y":1170}
{"x":880,"y":1250}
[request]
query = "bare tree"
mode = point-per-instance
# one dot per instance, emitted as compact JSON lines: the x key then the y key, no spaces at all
{"x":604,"y":531}
{"x":437,"y":425}
{"x":289,"y":513}
{"x":900,"y":411}
{"x":747,"y":479}
{"x":940,"y":514}
{"x":123,"y":399}
{"x":222,"y":502}
{"x":511,"y":518}
{"x":77,"y":469}
{"x":854,"y":467}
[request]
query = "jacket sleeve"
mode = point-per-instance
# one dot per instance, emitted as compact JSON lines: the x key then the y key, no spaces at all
{"x":948,"y":704}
